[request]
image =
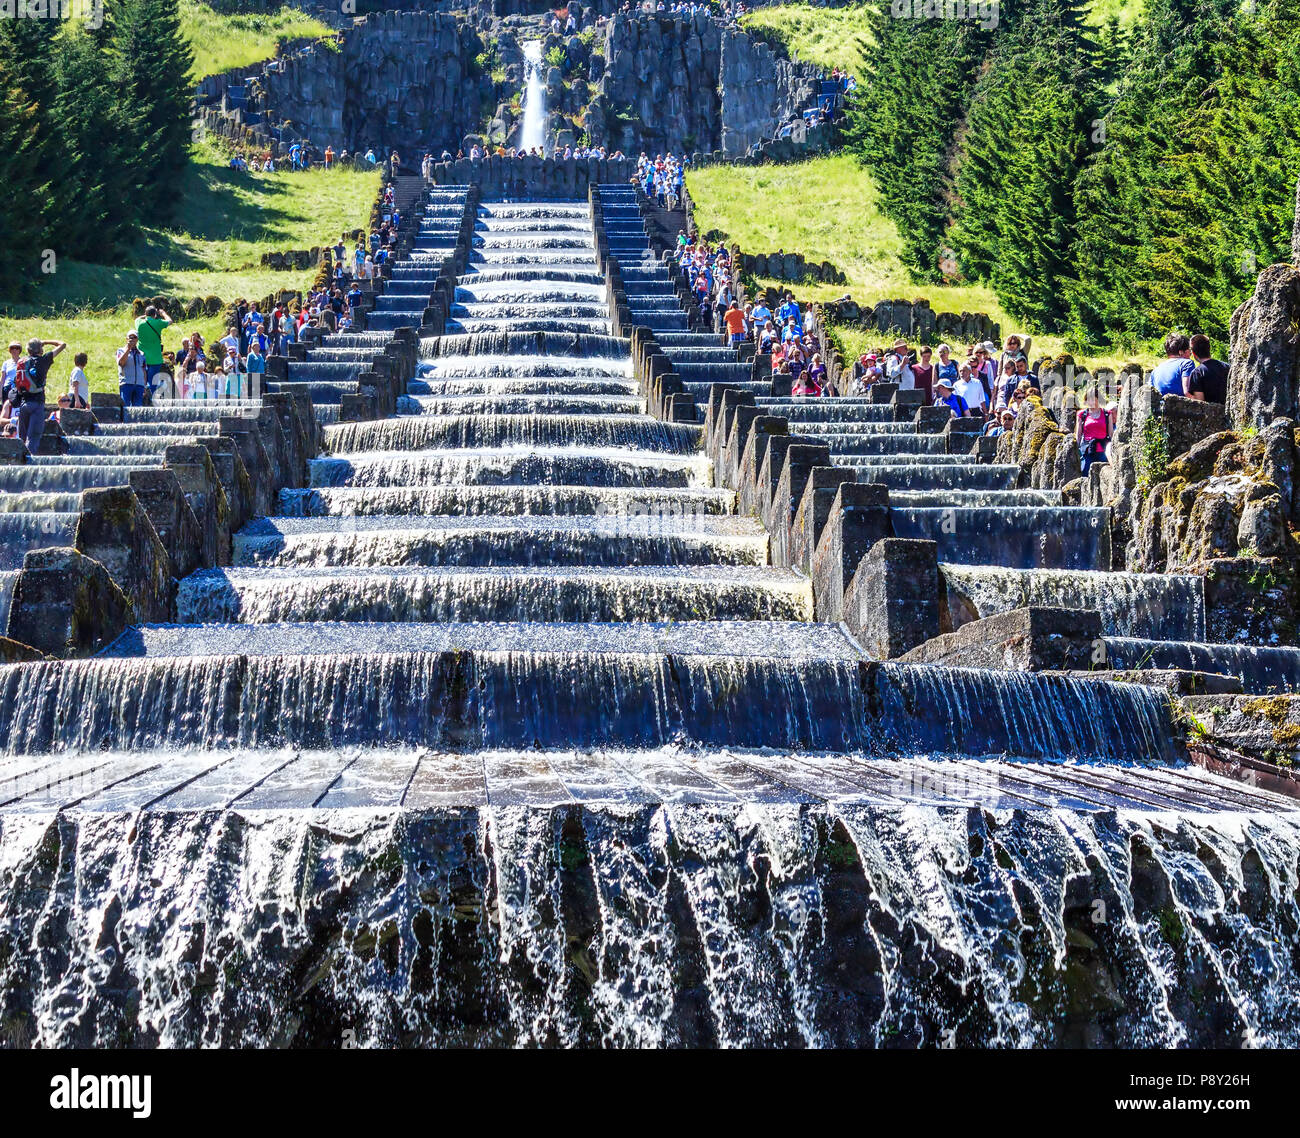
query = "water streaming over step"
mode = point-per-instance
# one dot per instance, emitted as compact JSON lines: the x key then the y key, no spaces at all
{"x":457,"y":432}
{"x":547,"y":594}
{"x":1157,"y":606}
{"x":8,"y":578}
{"x":645,"y":539}
{"x":467,"y":687}
{"x":505,"y":501}
{"x":687,"y":922}
{"x":504,"y":732}
{"x":1261,"y":669}
{"x":20,"y":532}
{"x":516,"y":466}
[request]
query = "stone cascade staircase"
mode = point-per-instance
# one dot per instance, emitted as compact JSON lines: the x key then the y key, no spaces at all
{"x":700,"y":358}
{"x":41,"y":496}
{"x":937,"y":489}
{"x":361,"y":373}
{"x":505,"y":669}
{"x":995,"y":550}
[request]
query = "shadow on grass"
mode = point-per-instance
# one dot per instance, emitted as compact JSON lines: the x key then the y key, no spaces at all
{"x":221,"y":204}
{"x":218,"y":204}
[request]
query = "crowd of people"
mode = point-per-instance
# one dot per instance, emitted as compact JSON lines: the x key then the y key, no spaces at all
{"x":305,"y":156}
{"x":982,"y":381}
{"x":730,"y":13}
{"x":663,"y":178}
{"x":229,"y":369}
{"x":478,"y":152}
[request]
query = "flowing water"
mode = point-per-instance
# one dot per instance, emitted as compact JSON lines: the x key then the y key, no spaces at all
{"x":504,"y":731}
{"x":533,"y":133}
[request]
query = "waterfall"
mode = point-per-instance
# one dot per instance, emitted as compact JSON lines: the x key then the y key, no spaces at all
{"x":533,"y":134}
{"x":760,"y":924}
{"x":504,"y":730}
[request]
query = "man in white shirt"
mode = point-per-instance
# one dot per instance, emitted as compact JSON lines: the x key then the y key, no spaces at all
{"x":971,"y":390}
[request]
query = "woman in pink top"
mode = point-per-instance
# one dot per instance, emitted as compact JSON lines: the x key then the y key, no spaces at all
{"x":1092,"y":430}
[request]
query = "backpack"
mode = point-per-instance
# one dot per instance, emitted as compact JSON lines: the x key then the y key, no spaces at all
{"x":27,"y":379}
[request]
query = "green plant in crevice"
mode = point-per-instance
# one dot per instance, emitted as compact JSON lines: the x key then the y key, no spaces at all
{"x":1153,"y":453}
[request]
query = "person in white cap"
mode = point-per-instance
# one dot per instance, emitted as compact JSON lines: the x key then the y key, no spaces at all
{"x":945,"y":397}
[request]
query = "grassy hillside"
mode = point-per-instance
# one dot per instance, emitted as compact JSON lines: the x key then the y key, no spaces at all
{"x":826,"y":209}
{"x":226,"y":221}
{"x":832,"y":37}
{"x":224,"y":41}
{"x":839,"y":37}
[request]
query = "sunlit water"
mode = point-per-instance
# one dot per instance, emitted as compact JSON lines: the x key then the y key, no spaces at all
{"x":504,"y":732}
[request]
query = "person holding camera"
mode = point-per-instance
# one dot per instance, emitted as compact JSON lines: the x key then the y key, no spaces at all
{"x":131,"y":374}
{"x":29,"y":383}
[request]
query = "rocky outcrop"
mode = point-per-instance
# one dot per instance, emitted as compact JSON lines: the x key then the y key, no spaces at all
{"x":1045,"y":452}
{"x":1264,"y":380}
{"x":1219,"y":500}
{"x":398,"y":80}
{"x":760,"y":91}
{"x":1223,"y":510}
{"x":1267,"y":726}
{"x":689,"y":84}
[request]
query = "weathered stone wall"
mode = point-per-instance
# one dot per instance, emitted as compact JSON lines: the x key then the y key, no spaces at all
{"x":688,"y":84}
{"x":555,"y":178}
{"x":398,"y":81}
{"x":915,"y":319}
{"x":789,"y":267}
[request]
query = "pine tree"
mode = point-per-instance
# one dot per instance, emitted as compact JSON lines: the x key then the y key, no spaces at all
{"x":30,"y":132}
{"x":903,"y":124}
{"x":1172,"y":64}
{"x":1028,"y":133}
{"x":93,"y":197}
{"x":149,"y":65}
{"x":23,"y":182}
{"x":1226,"y":209}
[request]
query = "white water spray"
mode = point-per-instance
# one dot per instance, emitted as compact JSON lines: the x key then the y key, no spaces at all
{"x":534,"y":130}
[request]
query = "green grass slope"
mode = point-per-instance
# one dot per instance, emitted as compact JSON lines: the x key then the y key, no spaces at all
{"x":225,"y":222}
{"x":831,"y":37}
{"x":223,"y":41}
{"x":827,"y":209}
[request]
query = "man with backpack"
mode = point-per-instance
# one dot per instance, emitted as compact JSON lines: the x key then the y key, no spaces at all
{"x":29,"y":384}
